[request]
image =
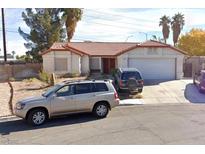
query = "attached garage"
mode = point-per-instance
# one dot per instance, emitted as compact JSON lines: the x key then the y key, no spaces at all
{"x":154,"y":68}
{"x":155,"y":61}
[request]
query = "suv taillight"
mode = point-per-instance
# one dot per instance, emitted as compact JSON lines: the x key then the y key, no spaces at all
{"x":121,"y":83}
{"x":141,"y":82}
{"x":116,"y":95}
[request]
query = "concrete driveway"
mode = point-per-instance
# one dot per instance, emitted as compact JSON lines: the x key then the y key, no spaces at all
{"x":176,"y":91}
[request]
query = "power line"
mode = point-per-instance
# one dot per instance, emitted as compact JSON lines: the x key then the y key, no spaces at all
{"x":116,"y":26}
{"x":10,"y":31}
{"x":129,"y":23}
{"x":100,"y":12}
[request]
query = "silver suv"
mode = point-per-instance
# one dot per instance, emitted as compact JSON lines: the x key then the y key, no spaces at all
{"x":69,"y":97}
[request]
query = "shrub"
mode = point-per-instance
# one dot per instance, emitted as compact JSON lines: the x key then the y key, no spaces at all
{"x":12,"y":79}
{"x":73,"y":75}
{"x":45,"y":77}
{"x":30,"y":80}
{"x":113,"y":72}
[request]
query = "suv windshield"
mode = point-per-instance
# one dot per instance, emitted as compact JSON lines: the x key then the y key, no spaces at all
{"x":128,"y":75}
{"x":51,"y":90}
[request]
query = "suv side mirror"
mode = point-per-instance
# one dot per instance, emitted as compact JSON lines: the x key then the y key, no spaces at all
{"x":54,"y":95}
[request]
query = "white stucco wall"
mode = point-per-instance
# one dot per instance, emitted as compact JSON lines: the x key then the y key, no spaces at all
{"x":153,"y":53}
{"x":85,"y":65}
{"x":48,"y":63}
{"x":73,"y":62}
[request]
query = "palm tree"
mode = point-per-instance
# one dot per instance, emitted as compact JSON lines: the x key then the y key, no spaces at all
{"x":177,"y":25}
{"x":71,"y":16}
{"x":13,"y":53}
{"x":164,"y":22}
{"x":154,"y":37}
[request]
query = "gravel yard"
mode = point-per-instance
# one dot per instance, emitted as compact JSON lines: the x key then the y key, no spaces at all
{"x":27,"y":88}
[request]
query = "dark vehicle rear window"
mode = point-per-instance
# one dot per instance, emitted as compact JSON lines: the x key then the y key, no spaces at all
{"x":128,"y":75}
{"x":203,"y":75}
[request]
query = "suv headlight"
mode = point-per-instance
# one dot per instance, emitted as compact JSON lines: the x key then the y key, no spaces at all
{"x":20,"y":106}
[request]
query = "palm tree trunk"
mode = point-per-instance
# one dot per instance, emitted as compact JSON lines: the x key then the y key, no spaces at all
{"x":70,"y":28}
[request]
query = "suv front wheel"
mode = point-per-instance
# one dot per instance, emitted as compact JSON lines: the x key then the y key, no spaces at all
{"x":101,"y":110}
{"x":37,"y":117}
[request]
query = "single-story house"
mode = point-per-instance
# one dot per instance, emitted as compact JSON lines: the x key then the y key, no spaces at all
{"x":154,"y":59}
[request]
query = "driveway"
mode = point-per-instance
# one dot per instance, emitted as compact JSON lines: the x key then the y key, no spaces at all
{"x":139,"y":124}
{"x":176,"y":91}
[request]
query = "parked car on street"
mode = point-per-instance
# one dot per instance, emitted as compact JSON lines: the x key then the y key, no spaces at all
{"x":199,"y":81}
{"x":97,"y":96}
{"x":128,"y":79}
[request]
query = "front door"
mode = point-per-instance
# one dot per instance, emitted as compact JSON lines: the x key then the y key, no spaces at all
{"x":108,"y":65}
{"x":105,"y":65}
{"x":63,"y":101}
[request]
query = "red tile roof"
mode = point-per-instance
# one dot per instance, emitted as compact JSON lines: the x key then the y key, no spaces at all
{"x":101,"y":48}
{"x":105,"y":48}
{"x":58,"y":45}
{"x":152,"y":43}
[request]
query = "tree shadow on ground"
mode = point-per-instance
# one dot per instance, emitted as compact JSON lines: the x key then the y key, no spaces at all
{"x":192,"y":94}
{"x":8,"y":127}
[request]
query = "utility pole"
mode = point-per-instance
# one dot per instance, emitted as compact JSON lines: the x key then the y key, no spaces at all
{"x":4,"y":34}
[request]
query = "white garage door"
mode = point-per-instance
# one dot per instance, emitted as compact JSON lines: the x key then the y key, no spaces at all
{"x":154,"y":68}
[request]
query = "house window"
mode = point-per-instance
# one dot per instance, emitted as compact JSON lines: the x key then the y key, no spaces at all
{"x":95,"y":63}
{"x":152,"y":51}
{"x":61,"y":64}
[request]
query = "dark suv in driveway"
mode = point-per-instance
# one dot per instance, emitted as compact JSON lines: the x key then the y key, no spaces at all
{"x":128,"y":79}
{"x":199,"y":80}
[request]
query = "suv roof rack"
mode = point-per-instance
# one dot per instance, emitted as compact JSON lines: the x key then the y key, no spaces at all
{"x":91,"y":80}
{"x":70,"y":81}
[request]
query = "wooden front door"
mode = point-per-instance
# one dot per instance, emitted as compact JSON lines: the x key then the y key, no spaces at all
{"x":108,"y":65}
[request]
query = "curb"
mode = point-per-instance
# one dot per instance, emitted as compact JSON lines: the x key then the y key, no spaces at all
{"x":130,"y":102}
{"x":8,"y":118}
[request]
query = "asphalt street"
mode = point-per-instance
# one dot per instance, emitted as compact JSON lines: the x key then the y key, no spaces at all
{"x":136,"y":124}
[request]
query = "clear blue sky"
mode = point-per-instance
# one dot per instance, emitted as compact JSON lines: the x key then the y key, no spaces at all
{"x":116,"y":25}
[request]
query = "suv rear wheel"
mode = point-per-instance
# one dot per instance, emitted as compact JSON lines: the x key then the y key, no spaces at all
{"x":101,"y":110}
{"x":37,"y":117}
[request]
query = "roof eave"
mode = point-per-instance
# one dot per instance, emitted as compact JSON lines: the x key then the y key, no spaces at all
{"x":75,"y":50}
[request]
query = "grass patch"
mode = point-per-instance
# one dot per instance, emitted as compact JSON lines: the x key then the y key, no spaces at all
{"x":139,"y":96}
{"x":31,"y":80}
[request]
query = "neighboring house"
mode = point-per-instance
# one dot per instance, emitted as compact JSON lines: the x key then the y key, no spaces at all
{"x":155,"y":60}
{"x":193,"y":64}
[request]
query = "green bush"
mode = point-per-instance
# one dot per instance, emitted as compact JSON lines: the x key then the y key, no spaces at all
{"x":73,"y":75}
{"x":12,"y":79}
{"x":113,"y":72}
{"x":45,"y":77}
{"x":30,"y":80}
